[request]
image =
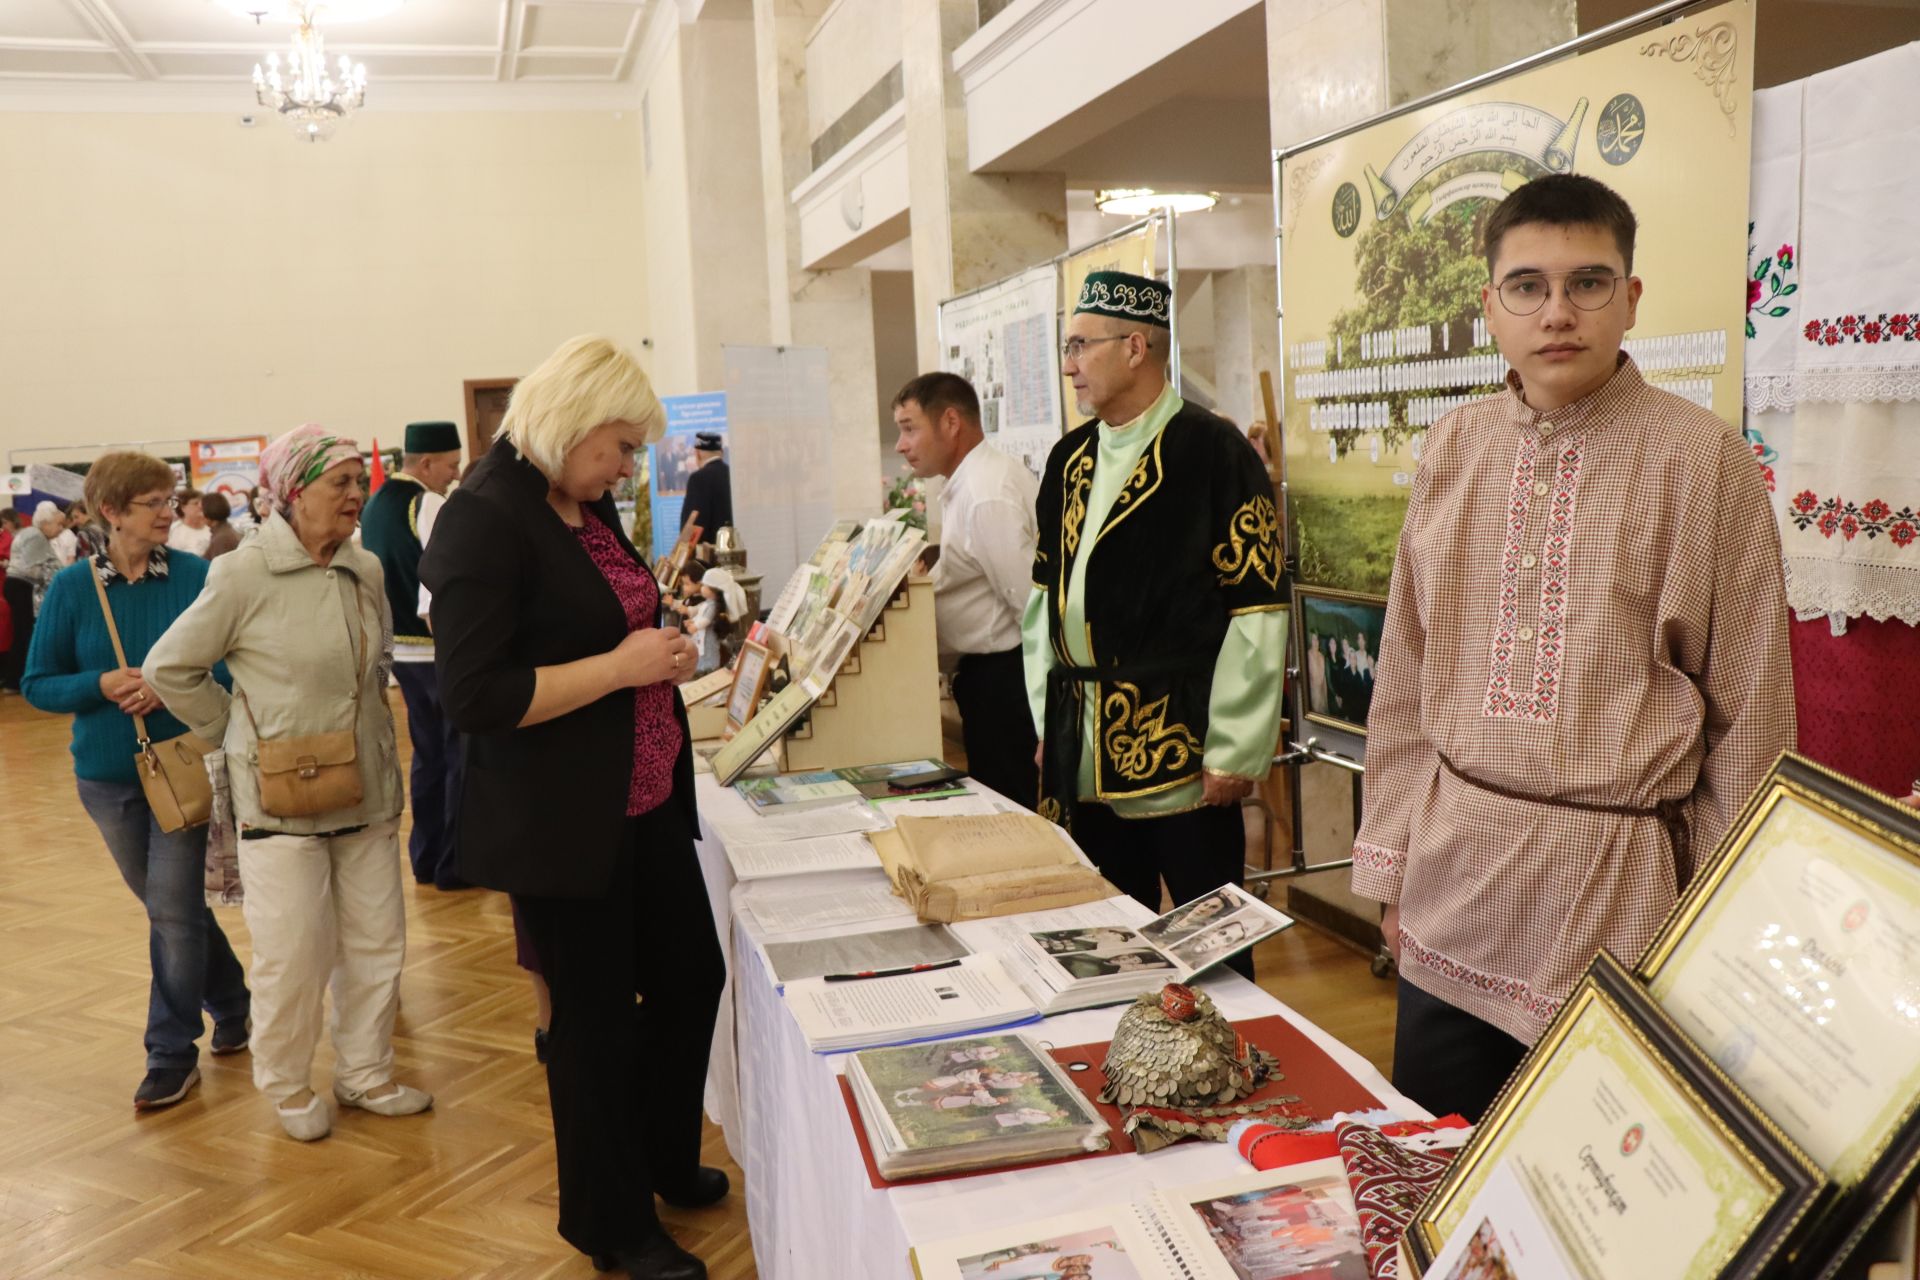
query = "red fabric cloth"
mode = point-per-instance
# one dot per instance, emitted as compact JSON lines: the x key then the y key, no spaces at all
{"x":1855,"y":696}
{"x":656,"y":734}
{"x":1267,"y":1146}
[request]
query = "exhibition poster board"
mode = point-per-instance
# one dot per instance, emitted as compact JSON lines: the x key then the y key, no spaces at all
{"x":1381,"y":269}
{"x":671,"y":460}
{"x":1005,"y":340}
{"x":230,"y":466}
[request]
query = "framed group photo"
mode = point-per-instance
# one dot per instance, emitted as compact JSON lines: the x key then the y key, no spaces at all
{"x":1339,"y":633}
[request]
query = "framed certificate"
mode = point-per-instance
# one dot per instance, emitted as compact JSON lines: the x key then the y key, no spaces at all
{"x":751,"y":671}
{"x":1643,"y":1158}
{"x":1794,"y":961}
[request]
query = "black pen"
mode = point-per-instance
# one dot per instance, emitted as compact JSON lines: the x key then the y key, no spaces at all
{"x":891,"y":973}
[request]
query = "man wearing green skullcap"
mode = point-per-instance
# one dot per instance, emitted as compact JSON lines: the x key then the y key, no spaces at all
{"x":1155,"y":633}
{"x":394,"y":526}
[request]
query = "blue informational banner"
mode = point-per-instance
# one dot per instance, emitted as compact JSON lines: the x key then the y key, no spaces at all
{"x":672,"y":461}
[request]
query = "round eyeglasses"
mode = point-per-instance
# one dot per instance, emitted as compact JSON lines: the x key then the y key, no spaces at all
{"x":1588,"y":288}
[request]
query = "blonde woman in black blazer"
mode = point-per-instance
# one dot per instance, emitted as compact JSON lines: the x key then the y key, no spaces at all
{"x":578,"y":796}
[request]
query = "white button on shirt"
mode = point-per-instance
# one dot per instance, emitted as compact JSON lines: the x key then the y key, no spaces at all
{"x":985,"y":570}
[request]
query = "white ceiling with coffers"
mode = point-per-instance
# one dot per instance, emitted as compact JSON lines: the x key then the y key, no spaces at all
{"x":200,"y":54}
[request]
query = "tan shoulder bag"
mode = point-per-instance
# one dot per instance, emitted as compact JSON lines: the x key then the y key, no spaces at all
{"x":173,"y":774}
{"x":315,"y":772}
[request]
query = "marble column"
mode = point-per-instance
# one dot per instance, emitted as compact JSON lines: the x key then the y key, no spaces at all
{"x":831,"y":309}
{"x":1332,"y":63}
{"x":969,"y":229}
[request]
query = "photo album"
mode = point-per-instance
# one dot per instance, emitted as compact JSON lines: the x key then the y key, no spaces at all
{"x":1079,"y":968}
{"x":1274,"y":1224}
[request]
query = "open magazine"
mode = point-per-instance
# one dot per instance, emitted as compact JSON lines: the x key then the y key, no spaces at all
{"x":1276,"y":1224}
{"x":969,"y":1104}
{"x":1078,"y":968}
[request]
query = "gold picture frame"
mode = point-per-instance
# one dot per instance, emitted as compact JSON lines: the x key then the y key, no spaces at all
{"x":751,"y":671}
{"x":1611,"y":1101}
{"x":1811,"y":909}
{"x":1327,"y":623}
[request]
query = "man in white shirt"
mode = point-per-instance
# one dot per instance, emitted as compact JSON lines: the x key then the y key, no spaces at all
{"x":981,"y":575}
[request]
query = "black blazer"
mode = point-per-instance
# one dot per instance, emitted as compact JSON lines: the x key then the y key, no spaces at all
{"x":544,"y":808}
{"x":709,"y":492}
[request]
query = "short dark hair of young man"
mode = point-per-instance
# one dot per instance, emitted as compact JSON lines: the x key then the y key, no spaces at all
{"x":938,"y":416}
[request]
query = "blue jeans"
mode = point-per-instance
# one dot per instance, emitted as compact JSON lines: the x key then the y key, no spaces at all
{"x":193,"y":964}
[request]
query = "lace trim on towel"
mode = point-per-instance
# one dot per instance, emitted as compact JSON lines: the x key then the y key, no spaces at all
{"x":1842,"y":589}
{"x":1765,"y":391}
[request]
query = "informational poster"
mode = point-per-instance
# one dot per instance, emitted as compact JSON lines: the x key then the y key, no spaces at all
{"x":671,"y":461}
{"x":1005,"y":340}
{"x":781,"y":453}
{"x":1132,"y":252}
{"x":230,"y":466}
{"x":1381,"y":256}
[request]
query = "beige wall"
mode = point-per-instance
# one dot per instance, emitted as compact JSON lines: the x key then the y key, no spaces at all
{"x":164,"y":276}
{"x":855,"y":43}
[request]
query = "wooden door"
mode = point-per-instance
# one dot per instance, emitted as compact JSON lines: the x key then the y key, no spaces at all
{"x":486,"y":406}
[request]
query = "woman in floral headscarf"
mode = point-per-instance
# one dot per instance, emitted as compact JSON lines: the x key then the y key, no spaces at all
{"x":299,"y":615}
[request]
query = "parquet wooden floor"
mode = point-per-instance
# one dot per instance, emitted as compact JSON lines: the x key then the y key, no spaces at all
{"x":211,"y":1189}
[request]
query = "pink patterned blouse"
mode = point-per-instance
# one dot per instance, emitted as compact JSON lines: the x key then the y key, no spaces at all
{"x":656,"y":734}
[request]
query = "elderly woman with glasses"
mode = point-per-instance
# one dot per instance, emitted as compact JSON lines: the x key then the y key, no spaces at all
{"x":73,"y":669}
{"x":30,"y":571}
{"x":299,"y":615}
{"x":579,"y":792}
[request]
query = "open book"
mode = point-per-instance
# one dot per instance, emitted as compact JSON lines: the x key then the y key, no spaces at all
{"x":1064,"y":969}
{"x":973,"y":995}
{"x":969,"y":1104}
{"x":1273,"y":1225}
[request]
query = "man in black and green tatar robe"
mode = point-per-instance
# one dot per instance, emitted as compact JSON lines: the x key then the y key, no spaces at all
{"x":394,"y":526}
{"x":1155,"y":636}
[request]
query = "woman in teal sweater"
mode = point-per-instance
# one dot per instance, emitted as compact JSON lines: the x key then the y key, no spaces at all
{"x":71,"y":669}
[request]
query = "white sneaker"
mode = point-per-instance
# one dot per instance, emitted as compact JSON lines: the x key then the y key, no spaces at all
{"x":309,"y":1123}
{"x":408,"y":1101}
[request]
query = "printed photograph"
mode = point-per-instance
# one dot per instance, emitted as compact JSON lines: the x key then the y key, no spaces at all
{"x":1186,"y":921}
{"x":959,"y":1091}
{"x":1102,"y":964}
{"x":1339,"y":645}
{"x":1061,"y":942}
{"x":1305,"y":1229}
{"x":672,"y":460}
{"x":1485,"y":1259}
{"x":1202,"y":949}
{"x":1081,"y":1255}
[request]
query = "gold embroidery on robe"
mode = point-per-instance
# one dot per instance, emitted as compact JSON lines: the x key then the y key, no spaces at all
{"x":1250,"y":544}
{"x":1076,"y":482}
{"x":1138,"y":741}
{"x":1140,"y":486}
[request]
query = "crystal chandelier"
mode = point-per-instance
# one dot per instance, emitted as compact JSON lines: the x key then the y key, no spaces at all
{"x":312,"y":98}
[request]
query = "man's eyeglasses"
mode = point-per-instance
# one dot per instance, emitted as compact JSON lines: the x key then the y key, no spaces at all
{"x":156,"y":504}
{"x":1074,"y":348}
{"x":1589,"y":289}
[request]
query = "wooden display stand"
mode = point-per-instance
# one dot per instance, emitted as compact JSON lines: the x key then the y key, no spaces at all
{"x":884,"y":705}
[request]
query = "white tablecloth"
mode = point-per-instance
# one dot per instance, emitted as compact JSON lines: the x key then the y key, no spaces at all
{"x":812,"y":1211}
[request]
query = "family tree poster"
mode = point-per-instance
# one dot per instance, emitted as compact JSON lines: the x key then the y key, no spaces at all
{"x":1381,"y":264}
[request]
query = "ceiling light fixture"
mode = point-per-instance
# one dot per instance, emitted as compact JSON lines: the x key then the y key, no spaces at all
{"x":1138,"y":202}
{"x":308,"y":96}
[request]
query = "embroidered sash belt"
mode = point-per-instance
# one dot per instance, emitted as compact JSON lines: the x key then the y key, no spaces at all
{"x":1672,"y":814}
{"x":1060,"y":761}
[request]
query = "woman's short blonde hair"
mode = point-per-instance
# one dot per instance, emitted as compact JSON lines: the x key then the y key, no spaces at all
{"x":587,"y":382}
{"x":116,"y":479}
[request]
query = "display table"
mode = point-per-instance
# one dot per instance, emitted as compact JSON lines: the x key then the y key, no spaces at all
{"x":811,"y":1208}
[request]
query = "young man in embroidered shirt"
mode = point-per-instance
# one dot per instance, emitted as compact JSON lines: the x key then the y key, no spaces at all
{"x":1584,"y":670}
{"x":1153,"y":634}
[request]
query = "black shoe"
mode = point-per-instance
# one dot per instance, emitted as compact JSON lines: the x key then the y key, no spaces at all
{"x":230,"y":1035}
{"x":165,"y":1086}
{"x":450,"y":884}
{"x":709,"y":1186}
{"x":539,"y":1046}
{"x":659,"y":1259}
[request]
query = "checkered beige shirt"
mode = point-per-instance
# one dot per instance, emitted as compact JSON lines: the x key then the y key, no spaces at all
{"x":1586,"y":604}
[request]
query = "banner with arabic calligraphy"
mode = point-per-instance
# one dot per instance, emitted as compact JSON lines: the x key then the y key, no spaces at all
{"x":1382,"y":268}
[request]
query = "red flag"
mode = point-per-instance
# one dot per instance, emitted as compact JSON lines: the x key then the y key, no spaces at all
{"x":379,"y":476}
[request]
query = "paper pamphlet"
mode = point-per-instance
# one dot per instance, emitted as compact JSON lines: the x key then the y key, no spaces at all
{"x":852,"y":904}
{"x":839,"y":852}
{"x":856,"y":952}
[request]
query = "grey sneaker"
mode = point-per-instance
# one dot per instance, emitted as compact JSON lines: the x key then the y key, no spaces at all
{"x":230,"y":1035}
{"x":165,"y":1086}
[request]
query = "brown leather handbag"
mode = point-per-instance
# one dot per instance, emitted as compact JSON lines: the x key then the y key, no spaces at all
{"x":173,"y":774}
{"x":315,"y":772}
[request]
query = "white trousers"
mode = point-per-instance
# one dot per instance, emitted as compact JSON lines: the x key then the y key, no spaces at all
{"x":324,"y":909}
